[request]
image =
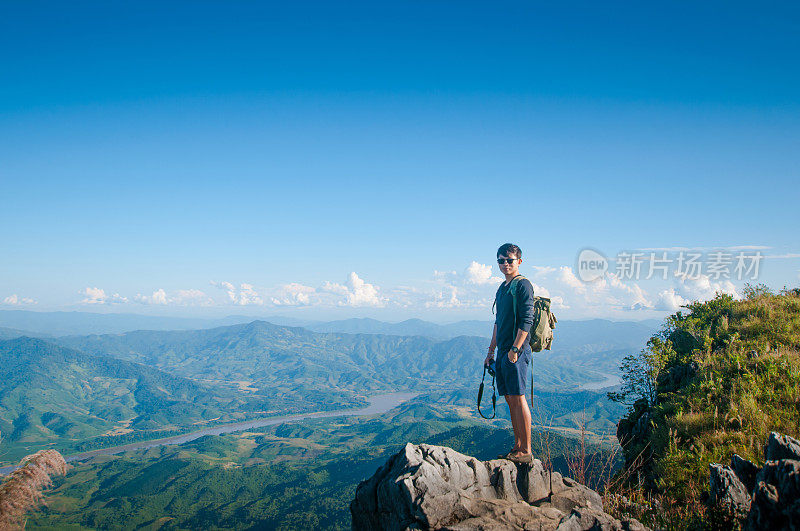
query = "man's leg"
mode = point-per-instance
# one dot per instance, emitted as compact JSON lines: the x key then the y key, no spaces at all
{"x":522,"y":426}
{"x":515,"y":421}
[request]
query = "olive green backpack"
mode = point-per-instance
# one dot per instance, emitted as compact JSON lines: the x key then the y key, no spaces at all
{"x":540,"y":336}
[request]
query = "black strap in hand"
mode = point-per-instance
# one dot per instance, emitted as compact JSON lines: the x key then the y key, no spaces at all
{"x":480,"y":395}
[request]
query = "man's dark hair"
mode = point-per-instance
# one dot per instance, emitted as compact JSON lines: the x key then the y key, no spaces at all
{"x":509,"y":248}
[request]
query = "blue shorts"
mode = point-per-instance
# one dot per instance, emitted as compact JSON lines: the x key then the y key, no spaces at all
{"x":512,"y":378}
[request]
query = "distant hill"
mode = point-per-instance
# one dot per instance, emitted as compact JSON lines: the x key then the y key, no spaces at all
{"x":409,"y":327}
{"x":272,"y":357}
{"x":293,"y":358}
{"x":595,"y":344}
{"x":591,"y":335}
{"x":11,"y":333}
{"x":51,"y":393}
{"x":82,"y":323}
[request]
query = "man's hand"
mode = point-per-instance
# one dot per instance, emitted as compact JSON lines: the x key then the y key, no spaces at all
{"x":512,"y":356}
{"x":489,"y":357}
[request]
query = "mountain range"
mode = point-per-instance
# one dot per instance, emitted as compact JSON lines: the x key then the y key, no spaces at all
{"x":85,"y":391}
{"x":51,"y":393}
{"x":15,"y":323}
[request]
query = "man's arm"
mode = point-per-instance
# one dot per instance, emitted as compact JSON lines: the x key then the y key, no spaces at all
{"x":525,"y":312}
{"x":522,"y":335}
{"x":492,"y":346}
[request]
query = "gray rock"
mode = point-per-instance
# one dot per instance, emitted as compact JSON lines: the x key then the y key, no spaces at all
{"x":781,"y":447}
{"x":576,"y":496}
{"x":727,"y":491}
{"x":556,"y":482}
{"x":745,"y":470}
{"x":434,"y":487}
{"x":776,"y":500}
{"x":533,"y":482}
{"x":580,"y":519}
{"x":498,"y":516}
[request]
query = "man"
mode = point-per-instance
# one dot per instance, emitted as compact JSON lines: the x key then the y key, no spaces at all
{"x":510,"y":337}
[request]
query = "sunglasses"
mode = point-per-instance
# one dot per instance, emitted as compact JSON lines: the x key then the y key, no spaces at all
{"x":506,"y":260}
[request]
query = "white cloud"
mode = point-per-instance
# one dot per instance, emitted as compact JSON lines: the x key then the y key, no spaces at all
{"x":94,"y":296}
{"x":474,"y":287}
{"x":670,"y":300}
{"x":474,"y":274}
{"x":631,"y":296}
{"x":249,"y":295}
{"x":293,"y":294}
{"x":192,"y":297}
{"x":480,"y":274}
{"x":610,"y":294}
{"x":245,"y":295}
{"x":355,"y":292}
{"x":601,"y":296}
{"x":442,"y":300}
{"x":16,"y":300}
{"x":227,"y":286}
{"x":181,"y":297}
{"x":568,"y":278}
{"x":159,"y":298}
{"x":98,"y":296}
{"x":687,"y":290}
{"x":702,"y":288}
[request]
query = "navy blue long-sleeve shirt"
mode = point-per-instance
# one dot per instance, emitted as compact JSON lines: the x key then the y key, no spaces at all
{"x":506,"y":333}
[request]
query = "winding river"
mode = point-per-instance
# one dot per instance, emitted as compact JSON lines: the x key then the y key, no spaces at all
{"x":377,"y":404}
{"x":610,"y":380}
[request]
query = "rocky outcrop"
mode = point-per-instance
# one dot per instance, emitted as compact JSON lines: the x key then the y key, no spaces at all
{"x":766,"y":498}
{"x":781,"y":447}
{"x":435,"y":487}
{"x":728,"y":491}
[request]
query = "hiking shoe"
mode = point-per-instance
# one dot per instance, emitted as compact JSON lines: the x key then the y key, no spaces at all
{"x":506,"y":455}
{"x":523,"y":459}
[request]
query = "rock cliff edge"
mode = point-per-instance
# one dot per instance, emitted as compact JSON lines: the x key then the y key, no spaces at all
{"x":434,"y":487}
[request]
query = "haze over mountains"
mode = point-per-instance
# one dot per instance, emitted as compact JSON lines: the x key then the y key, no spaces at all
{"x":14,"y":323}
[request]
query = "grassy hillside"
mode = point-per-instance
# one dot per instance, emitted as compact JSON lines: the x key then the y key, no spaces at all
{"x":715,"y":382}
{"x":292,"y":476}
{"x":51,"y":395}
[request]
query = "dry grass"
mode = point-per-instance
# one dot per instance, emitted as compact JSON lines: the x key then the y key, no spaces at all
{"x":22,"y":490}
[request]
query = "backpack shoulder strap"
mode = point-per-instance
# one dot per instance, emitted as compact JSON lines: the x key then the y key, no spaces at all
{"x":512,"y":288}
{"x":497,"y":294}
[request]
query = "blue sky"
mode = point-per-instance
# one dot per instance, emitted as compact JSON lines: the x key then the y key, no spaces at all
{"x":366,"y":159}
